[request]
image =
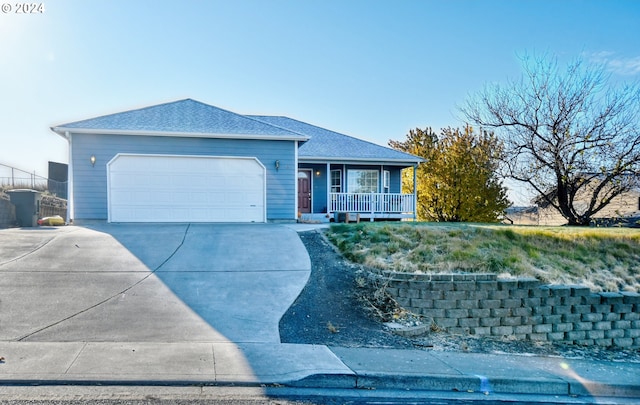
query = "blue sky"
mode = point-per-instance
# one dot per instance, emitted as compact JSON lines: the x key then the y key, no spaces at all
{"x":372,"y":69}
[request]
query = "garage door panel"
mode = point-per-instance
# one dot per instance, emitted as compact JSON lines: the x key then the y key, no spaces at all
{"x":214,"y":182}
{"x":242,"y":183}
{"x":147,"y":188}
{"x":236,"y":215}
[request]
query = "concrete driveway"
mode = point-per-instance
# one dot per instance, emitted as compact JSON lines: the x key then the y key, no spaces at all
{"x":149,"y":282}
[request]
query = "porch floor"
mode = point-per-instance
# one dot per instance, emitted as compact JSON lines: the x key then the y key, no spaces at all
{"x":322,"y":218}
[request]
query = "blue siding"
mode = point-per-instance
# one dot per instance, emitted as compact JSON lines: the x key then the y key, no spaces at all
{"x":90,"y":183}
{"x":395,"y":179}
{"x":320,"y":189}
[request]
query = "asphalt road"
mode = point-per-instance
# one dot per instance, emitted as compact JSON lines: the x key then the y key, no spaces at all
{"x":159,"y":395}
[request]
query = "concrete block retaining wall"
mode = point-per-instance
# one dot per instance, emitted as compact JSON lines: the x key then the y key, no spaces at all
{"x":480,"y":304}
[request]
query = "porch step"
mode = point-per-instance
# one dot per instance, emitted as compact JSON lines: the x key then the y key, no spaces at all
{"x":314,"y":218}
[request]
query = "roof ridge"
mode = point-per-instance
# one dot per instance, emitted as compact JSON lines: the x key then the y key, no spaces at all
{"x":128,"y":111}
{"x":188,"y":104}
{"x":252,"y":116}
{"x":335,"y":132}
{"x":162,"y":104}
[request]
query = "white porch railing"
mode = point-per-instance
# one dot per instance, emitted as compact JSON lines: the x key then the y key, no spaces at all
{"x":373,"y":203}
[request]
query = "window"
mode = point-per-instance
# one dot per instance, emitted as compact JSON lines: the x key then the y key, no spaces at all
{"x":336,"y":181}
{"x":386,"y":181}
{"x":362,"y":181}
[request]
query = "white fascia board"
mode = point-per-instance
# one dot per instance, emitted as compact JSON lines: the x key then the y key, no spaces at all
{"x":62,"y":130}
{"x":363,"y":161}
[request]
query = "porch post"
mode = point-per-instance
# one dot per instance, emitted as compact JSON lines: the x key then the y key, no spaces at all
{"x":328,"y":188}
{"x":415,"y":193}
{"x":296,"y":167}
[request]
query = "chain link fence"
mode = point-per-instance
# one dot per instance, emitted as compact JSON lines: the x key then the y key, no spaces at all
{"x":54,"y":200}
{"x":13,"y":178}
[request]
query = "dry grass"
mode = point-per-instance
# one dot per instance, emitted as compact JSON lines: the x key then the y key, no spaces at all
{"x":604,"y":259}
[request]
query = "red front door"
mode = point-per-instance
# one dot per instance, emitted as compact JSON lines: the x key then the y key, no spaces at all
{"x":304,"y":191}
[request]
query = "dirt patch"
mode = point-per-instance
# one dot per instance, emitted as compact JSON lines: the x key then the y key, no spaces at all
{"x":328,"y":311}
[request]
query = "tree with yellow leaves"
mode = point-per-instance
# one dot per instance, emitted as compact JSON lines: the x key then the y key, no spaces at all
{"x":458,"y":180}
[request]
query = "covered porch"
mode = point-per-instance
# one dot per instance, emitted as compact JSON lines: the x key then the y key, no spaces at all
{"x":367,"y":191}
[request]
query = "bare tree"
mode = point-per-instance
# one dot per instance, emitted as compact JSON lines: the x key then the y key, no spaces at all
{"x":568,"y":134}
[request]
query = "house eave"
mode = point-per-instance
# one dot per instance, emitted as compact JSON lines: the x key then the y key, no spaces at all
{"x":90,"y":131}
{"x":360,"y":161}
{"x":63,"y":132}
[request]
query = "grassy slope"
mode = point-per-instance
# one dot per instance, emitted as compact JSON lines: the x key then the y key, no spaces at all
{"x":601,"y":258}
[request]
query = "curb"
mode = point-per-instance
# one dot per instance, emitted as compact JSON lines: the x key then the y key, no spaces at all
{"x":404,"y":382}
{"x":467,"y":383}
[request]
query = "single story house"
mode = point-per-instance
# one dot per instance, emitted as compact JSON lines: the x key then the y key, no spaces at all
{"x":186,"y":161}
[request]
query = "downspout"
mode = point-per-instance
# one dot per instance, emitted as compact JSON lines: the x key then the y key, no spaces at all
{"x":70,"y":205}
{"x":379,"y":204}
{"x":415,"y":194}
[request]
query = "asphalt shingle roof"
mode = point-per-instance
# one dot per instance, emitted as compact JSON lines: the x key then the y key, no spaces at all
{"x":192,"y":118}
{"x":185,"y":117}
{"x":326,"y":144}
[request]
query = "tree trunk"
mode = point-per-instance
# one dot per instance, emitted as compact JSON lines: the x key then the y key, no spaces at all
{"x":579,"y":221}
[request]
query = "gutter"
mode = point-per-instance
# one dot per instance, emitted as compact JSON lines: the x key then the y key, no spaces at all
{"x":63,"y":133}
{"x":62,"y":130}
{"x":372,"y":161}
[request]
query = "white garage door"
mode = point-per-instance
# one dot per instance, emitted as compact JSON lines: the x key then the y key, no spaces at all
{"x":161,"y":188}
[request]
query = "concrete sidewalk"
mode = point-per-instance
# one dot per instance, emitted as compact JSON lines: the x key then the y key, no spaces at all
{"x":312,"y":366}
{"x":490,"y":373}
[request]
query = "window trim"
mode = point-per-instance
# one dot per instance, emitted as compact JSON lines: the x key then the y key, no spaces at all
{"x":336,"y":188}
{"x":350,"y":185}
{"x":386,"y":181}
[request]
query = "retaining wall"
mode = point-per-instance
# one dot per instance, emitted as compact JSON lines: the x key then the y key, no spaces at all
{"x":7,"y":212}
{"x":51,"y":206}
{"x":480,"y":304}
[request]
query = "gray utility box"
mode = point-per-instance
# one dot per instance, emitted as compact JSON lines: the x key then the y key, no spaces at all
{"x":27,"y":203}
{"x":346,"y":217}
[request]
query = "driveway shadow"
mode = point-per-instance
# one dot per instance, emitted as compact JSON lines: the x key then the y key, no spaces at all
{"x":149,"y":282}
{"x":240,"y":279}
